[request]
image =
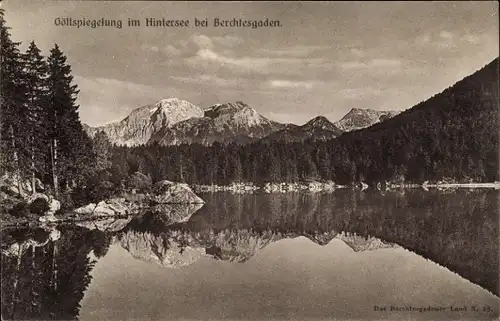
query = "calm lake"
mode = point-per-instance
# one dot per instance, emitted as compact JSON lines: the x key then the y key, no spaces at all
{"x":295,"y":256}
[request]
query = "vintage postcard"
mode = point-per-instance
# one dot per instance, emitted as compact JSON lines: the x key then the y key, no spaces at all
{"x":168,"y":160}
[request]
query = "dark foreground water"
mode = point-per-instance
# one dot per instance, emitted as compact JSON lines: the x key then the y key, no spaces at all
{"x":411,"y":255}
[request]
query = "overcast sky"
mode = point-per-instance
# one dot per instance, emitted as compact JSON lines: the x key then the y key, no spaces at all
{"x":325,"y":59}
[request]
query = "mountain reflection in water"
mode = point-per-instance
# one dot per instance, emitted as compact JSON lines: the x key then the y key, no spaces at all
{"x":344,"y":246}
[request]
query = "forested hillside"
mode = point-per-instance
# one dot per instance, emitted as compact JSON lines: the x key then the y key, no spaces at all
{"x":453,"y":135}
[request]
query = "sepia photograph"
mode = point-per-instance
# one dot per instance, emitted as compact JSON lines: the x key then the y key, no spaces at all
{"x":249,"y":160}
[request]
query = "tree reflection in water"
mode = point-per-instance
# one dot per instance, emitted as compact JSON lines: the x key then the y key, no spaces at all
{"x":45,"y":277}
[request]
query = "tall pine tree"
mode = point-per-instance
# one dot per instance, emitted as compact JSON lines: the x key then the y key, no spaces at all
{"x":35,"y":80}
{"x":70,"y":151}
{"x":12,"y":107}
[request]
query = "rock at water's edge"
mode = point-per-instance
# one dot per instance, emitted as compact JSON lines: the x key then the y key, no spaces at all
{"x":167,"y":192}
{"x":111,"y":207}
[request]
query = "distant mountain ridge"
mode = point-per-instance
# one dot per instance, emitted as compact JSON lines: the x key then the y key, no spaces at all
{"x":173,"y":122}
{"x":358,"y":118}
{"x":318,"y":128}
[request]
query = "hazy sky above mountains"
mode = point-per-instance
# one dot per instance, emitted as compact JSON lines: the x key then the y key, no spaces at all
{"x":325,"y":59}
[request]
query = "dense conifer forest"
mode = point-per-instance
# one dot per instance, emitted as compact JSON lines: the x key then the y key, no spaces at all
{"x":42,"y":138}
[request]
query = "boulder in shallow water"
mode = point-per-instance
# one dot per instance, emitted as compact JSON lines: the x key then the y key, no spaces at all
{"x":167,"y":192}
{"x":111,"y":207}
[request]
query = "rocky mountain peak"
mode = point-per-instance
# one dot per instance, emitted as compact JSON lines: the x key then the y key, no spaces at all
{"x":358,"y":111}
{"x":236,"y":114}
{"x":358,"y":118}
{"x":175,"y":110}
{"x":143,"y":122}
{"x":247,"y":116}
{"x":320,"y":122}
{"x":221,"y":109}
{"x":166,"y":104}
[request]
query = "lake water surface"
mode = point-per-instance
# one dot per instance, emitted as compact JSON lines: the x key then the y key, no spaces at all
{"x":294,"y":256}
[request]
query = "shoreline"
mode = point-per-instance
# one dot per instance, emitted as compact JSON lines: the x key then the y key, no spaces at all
{"x":465,"y":185}
{"x":315,"y":186}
